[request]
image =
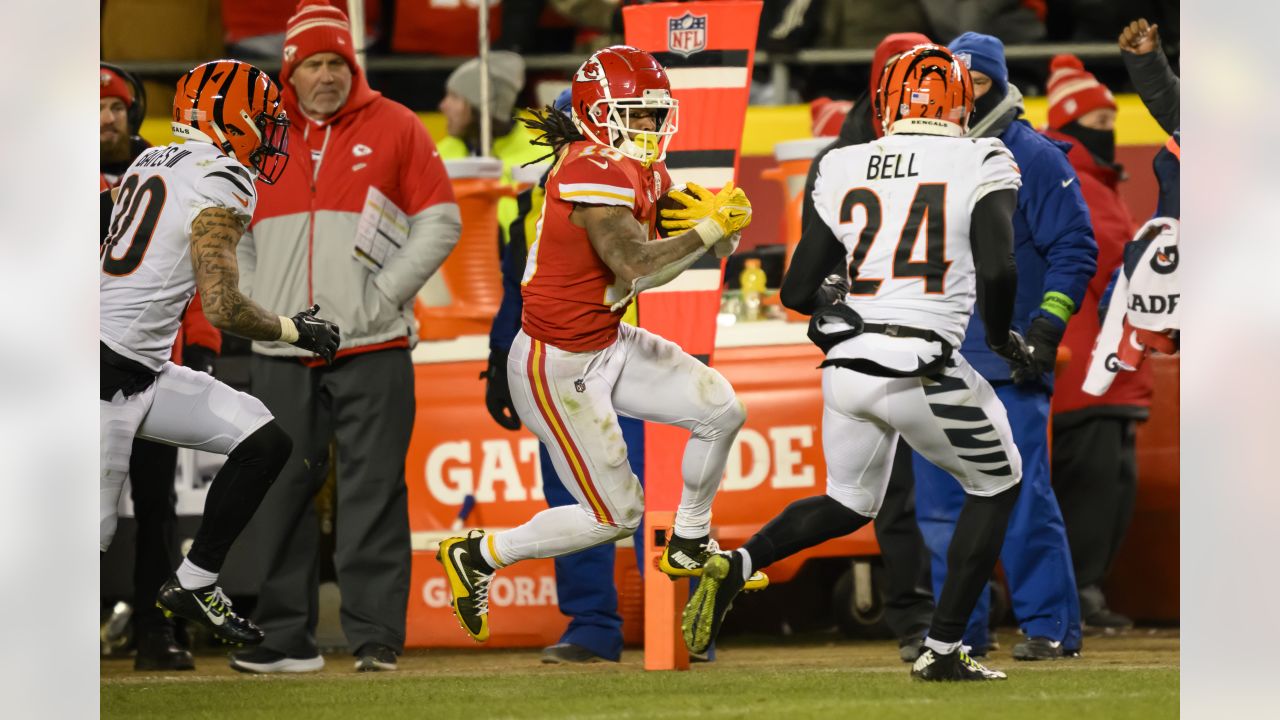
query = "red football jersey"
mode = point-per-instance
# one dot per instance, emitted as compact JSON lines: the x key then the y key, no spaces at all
{"x":567,"y":288}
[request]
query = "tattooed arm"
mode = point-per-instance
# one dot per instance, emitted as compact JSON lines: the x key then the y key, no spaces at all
{"x":214,"y":235}
{"x":621,"y":243}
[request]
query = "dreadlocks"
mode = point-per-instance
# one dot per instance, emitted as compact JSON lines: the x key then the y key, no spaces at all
{"x":552,"y":129}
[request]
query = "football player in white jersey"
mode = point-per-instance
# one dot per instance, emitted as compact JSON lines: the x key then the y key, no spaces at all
{"x":923,"y":219}
{"x":179,"y":213}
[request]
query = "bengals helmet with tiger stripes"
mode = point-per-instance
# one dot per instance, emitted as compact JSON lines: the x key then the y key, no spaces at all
{"x":236,"y":107}
{"x":926,"y":90}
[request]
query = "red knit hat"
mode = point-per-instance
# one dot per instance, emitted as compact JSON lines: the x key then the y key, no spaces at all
{"x":316,"y":27}
{"x":826,"y":116}
{"x":1074,"y":91}
{"x":114,"y":86}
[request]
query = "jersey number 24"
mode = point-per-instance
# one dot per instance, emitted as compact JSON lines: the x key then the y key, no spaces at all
{"x":928,"y":208}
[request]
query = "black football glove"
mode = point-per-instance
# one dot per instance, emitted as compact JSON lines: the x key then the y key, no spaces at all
{"x":316,"y":334}
{"x":834,"y":289}
{"x":198,"y":357}
{"x":1014,"y":350}
{"x":1043,"y":338}
{"x":497,"y":393}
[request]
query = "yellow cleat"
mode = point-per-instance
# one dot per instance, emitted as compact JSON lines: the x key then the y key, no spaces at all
{"x":469,"y":577}
{"x":685,"y":558}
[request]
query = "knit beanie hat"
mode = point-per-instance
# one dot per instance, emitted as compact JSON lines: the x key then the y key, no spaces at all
{"x":826,"y":116}
{"x":506,"y":80}
{"x":114,"y":86}
{"x":985,"y":54}
{"x":316,"y":27}
{"x":1074,"y":91}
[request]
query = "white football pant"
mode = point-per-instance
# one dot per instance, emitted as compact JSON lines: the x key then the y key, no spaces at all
{"x":956,"y":422}
{"x":571,"y":401}
{"x":183,"y":407}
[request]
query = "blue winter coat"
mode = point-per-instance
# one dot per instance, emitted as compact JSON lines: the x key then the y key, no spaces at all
{"x":1053,"y":241}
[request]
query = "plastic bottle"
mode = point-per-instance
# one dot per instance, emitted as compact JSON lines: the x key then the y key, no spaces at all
{"x":753,"y":283}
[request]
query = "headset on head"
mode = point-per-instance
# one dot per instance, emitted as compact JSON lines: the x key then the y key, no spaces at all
{"x":138,"y":110}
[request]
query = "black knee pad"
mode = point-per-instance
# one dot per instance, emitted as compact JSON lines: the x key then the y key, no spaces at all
{"x":269,"y":445}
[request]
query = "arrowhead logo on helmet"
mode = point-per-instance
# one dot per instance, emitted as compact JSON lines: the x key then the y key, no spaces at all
{"x":614,"y":92}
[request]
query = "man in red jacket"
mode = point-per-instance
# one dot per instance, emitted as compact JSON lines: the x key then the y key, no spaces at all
{"x":152,"y":465}
{"x":348,"y":146}
{"x":1095,"y":474}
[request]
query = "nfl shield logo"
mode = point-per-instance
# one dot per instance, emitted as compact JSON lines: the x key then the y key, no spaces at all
{"x":687,"y":34}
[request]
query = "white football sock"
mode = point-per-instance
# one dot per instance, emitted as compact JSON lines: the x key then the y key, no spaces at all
{"x":940,"y":647}
{"x":551,"y":533}
{"x":194,"y":577}
{"x":746,"y":564}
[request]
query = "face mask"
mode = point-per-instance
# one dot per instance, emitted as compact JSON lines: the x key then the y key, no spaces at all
{"x":1101,"y":143}
{"x":983,"y":106}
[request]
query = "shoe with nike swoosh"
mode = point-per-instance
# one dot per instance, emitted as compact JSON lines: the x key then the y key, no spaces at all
{"x":469,"y":577}
{"x":209,"y":607}
{"x":951,"y":667}
{"x":685,"y":558}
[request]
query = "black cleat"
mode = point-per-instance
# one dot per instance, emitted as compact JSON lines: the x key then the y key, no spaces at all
{"x":209,"y":607}
{"x":952,"y":667}
{"x":721,"y":583}
{"x":158,"y":649}
{"x":469,"y":577}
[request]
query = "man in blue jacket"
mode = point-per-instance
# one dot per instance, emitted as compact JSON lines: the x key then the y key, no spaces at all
{"x":1056,"y":257}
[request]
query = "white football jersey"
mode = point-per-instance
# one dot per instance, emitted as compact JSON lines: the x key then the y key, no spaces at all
{"x":147,"y":279}
{"x":901,"y":206}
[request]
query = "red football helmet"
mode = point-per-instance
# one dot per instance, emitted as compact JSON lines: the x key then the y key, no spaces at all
{"x":236,"y":107}
{"x":926,"y":90}
{"x":611,"y":84}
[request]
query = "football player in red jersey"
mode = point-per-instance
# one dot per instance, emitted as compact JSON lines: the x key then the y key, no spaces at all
{"x":574,"y":367}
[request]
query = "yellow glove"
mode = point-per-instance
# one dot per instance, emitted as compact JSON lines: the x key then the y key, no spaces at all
{"x":729,"y":209}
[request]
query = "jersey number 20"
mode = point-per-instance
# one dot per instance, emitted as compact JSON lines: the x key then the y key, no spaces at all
{"x":928,"y":207}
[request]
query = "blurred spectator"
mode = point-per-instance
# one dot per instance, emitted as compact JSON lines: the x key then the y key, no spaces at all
{"x":1159,"y":88}
{"x":1056,"y":257}
{"x":1095,"y":473}
{"x":1149,"y":69}
{"x":255,"y":28}
{"x":346,"y":141}
{"x":511,"y":142}
{"x":548,"y":26}
{"x":152,"y":465}
{"x":1013,"y":21}
{"x":442,"y":27}
{"x":908,"y":596}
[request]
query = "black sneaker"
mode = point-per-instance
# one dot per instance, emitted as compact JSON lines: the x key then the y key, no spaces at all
{"x":685,"y":558}
{"x":375,"y":657}
{"x":568,"y":654}
{"x":210,"y":607}
{"x":910,"y":647}
{"x":952,"y":667}
{"x":721,"y":583}
{"x":158,"y":649}
{"x":263,"y":661}
{"x":1107,"y":622}
{"x":469,"y":577}
{"x":1038,"y":648}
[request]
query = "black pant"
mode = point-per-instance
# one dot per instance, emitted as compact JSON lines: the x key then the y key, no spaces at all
{"x":366,"y":402}
{"x":909,"y":605}
{"x":151,"y":475}
{"x":1095,"y":476}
